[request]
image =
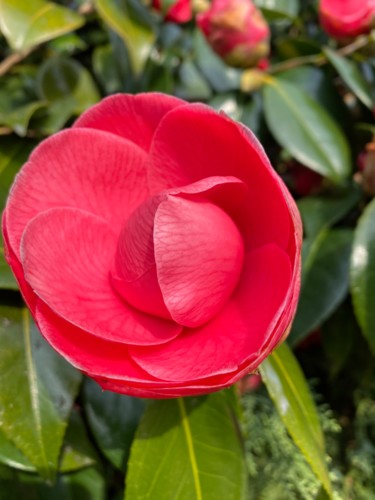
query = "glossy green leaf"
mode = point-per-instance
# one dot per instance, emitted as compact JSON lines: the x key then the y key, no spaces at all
{"x":350,"y":73}
{"x":38,"y":390}
{"x":113,"y":419}
{"x":77,"y":452}
{"x":227,"y":103}
{"x":26,"y":23}
{"x":320,"y":212}
{"x":187,"y":449}
{"x":305,"y":129}
{"x":138,"y":37}
{"x":290,"y":393}
{"x":362,"y":273}
{"x":219,"y":75}
{"x":325,"y":280}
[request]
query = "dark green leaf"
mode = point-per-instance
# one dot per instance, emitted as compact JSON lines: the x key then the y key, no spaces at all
{"x":86,"y":484}
{"x":25,"y":23}
{"x":38,"y":390}
{"x":362,"y":275}
{"x":18,"y":119}
{"x":113,"y":419}
{"x":221,"y":77}
{"x":192,"y":84}
{"x":305,"y":129}
{"x":320,"y":212}
{"x":138,"y":37}
{"x":339,"y":336}
{"x":187,"y":449}
{"x":290,"y":393}
{"x":274,"y":10}
{"x":350,"y":73}
{"x":78,"y":452}
{"x":106,"y":70}
{"x":325,"y":280}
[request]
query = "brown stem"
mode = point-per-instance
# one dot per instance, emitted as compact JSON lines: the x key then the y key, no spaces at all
{"x":12,"y":60}
{"x":320,"y":59}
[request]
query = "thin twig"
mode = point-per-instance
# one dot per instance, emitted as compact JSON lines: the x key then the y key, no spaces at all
{"x":12,"y":60}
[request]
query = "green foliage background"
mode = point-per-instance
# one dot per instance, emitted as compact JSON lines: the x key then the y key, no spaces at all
{"x":278,"y":437}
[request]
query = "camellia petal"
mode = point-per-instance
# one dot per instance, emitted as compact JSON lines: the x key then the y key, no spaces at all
{"x":199,"y":256}
{"x":66,"y":255}
{"x":225,"y":150}
{"x":132,"y":117}
{"x":86,"y":169}
{"x":235,"y":333}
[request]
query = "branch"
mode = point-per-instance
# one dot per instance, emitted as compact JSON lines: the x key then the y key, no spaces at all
{"x":12,"y":60}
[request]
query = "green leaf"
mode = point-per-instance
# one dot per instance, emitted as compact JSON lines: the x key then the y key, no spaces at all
{"x":350,"y":73}
{"x":106,"y":70}
{"x":192,"y":84}
{"x":26,"y":23}
{"x":138,"y":37}
{"x":274,"y":10}
{"x":220,"y":76}
{"x":45,"y":386}
{"x":228,"y":104}
{"x":18,"y":119}
{"x":78,"y":451}
{"x":325,"y":280}
{"x":362,"y":273}
{"x":187,"y":449}
{"x":305,"y":129}
{"x":86,"y":484}
{"x":319,"y":212}
{"x":290,"y":393}
{"x":113,"y":419}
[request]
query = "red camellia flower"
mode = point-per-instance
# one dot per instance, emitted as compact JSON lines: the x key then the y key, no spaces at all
{"x":178,"y":11}
{"x":156,"y":247}
{"x":347,"y":18}
{"x":236,"y":31}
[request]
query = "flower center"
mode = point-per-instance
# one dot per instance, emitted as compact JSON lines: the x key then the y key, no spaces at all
{"x":179,"y":258}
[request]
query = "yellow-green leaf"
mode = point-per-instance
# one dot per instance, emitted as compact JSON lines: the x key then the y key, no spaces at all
{"x":26,"y":23}
{"x":290,"y":393}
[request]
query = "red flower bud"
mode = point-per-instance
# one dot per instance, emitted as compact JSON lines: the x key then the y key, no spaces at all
{"x":346,"y":18}
{"x":237,"y":31}
{"x":178,"y":11}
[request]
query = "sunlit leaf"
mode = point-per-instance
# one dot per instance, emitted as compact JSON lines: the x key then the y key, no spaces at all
{"x":187,"y":449}
{"x":290,"y":393}
{"x":362,"y":276}
{"x":38,"y":388}
{"x":25,"y":23}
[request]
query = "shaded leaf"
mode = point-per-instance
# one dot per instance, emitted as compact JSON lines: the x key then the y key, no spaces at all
{"x":18,"y":119}
{"x":187,"y":449}
{"x":325,"y":280}
{"x":350,"y":73}
{"x":305,"y":129}
{"x":113,"y":419}
{"x":319,"y":212}
{"x":220,"y":76}
{"x":274,"y":10}
{"x":192,"y":84}
{"x":45,"y":385}
{"x":26,"y":23}
{"x":138,"y":37}
{"x":362,"y":273}
{"x":290,"y":393}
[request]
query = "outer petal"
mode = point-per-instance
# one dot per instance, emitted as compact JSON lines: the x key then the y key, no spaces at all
{"x":86,"y":169}
{"x":180,"y":12}
{"x":133,"y":117}
{"x":194,"y":142}
{"x":67,"y":255}
{"x":236,"y":333}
